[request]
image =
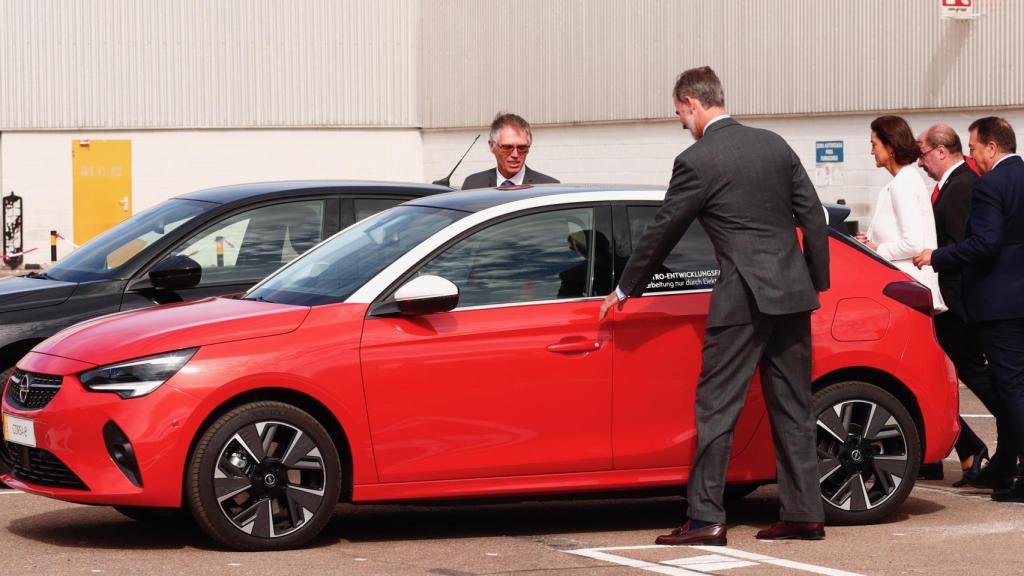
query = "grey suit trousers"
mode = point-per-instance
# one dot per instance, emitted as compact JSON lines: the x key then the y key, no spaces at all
{"x":781,"y":346}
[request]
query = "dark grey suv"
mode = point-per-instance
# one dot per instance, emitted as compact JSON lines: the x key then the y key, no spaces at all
{"x":208,"y":243}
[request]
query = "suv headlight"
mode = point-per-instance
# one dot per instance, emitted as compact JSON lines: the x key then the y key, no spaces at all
{"x":138,"y":377}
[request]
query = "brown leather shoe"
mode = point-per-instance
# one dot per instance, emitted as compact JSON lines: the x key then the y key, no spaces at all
{"x":710,"y":535}
{"x":793,"y":531}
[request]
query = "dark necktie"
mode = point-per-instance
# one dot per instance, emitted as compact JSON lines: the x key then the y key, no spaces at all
{"x":935,"y":194}
{"x":508,"y":183}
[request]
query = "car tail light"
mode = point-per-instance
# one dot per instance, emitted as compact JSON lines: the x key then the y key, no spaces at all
{"x":912,"y":294}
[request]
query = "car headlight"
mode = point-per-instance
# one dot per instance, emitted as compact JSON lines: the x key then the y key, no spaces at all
{"x":138,"y":377}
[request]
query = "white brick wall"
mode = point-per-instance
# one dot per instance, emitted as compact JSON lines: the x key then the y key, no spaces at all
{"x":37,"y":166}
{"x":642,"y":153}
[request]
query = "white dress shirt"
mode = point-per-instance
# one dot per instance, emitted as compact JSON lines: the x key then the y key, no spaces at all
{"x":516,"y":178}
{"x":904,"y":225}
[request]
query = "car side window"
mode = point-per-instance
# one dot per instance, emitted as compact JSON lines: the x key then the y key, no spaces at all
{"x":537,"y":257}
{"x":690,"y":266}
{"x":250,"y":245}
{"x":366,"y":207}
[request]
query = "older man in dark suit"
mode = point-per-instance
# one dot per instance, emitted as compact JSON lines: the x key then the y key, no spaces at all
{"x":991,"y":259}
{"x":943,"y":159}
{"x":750,"y":192}
{"x":510,"y":141}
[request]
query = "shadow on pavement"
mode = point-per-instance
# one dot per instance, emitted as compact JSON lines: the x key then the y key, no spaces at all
{"x":105,"y":528}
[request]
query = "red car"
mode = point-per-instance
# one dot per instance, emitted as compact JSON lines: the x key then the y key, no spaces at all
{"x":450,"y":348}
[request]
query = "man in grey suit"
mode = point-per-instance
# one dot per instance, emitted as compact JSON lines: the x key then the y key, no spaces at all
{"x":510,"y":141}
{"x":750,"y":192}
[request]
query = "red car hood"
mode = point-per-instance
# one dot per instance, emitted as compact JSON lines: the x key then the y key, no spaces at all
{"x":171,"y":327}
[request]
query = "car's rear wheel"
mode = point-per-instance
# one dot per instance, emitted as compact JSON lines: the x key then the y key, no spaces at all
{"x":868,"y":452}
{"x":150,"y":515}
{"x":263,"y":476}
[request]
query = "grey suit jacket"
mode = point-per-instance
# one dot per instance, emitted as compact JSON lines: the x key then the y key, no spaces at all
{"x":489,"y":179}
{"x":749,"y":190}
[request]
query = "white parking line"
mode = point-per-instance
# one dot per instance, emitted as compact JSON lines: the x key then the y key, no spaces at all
{"x":977,"y":416}
{"x":721,"y":558}
{"x":6,"y":492}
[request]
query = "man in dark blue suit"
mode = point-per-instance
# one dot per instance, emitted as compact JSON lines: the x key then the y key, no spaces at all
{"x":991,"y":257}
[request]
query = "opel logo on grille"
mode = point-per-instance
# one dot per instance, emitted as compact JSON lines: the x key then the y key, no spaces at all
{"x":24,"y":388}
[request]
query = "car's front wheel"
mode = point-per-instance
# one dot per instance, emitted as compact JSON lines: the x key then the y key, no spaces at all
{"x":263,"y":476}
{"x":869,"y":452}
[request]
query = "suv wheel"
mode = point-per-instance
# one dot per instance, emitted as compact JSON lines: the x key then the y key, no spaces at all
{"x":868,"y":452}
{"x":264,"y":476}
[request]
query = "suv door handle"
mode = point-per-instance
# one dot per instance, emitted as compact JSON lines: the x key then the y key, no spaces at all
{"x":575,"y":347}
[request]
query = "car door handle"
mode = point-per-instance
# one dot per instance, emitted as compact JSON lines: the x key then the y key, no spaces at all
{"x":575,"y":347}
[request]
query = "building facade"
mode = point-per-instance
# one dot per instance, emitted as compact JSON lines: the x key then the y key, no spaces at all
{"x":211,"y":93}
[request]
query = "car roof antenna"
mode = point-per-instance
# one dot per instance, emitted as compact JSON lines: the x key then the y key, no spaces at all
{"x":446,"y":181}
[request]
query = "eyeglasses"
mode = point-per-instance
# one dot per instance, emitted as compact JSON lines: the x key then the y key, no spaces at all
{"x":929,"y":151}
{"x":509,"y":148}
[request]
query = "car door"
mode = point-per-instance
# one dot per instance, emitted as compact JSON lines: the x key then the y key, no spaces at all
{"x":242,"y":248}
{"x":514,"y":381}
{"x":658,"y":341}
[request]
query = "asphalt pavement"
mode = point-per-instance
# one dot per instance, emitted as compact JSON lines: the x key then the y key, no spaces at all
{"x":939,"y":530}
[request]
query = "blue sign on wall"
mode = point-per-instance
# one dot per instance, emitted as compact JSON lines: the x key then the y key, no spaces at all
{"x":828,"y":151}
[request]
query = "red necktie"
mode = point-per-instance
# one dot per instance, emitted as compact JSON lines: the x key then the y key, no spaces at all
{"x":935,"y":194}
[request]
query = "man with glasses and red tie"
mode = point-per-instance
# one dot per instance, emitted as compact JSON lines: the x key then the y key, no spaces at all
{"x":943,"y":160}
{"x":510,"y":141}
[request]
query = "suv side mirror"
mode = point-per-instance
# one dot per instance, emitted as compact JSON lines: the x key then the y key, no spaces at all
{"x":426,"y":295}
{"x":176,"y":273}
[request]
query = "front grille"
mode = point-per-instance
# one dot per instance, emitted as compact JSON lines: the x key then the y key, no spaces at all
{"x":31,"y":391}
{"x":37,"y":466}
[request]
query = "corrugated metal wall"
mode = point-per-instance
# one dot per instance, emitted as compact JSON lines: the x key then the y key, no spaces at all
{"x":199,"y":63}
{"x":448,"y":63}
{"x":560,"y":61}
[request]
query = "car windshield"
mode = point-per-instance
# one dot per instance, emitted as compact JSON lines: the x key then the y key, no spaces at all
{"x":337,"y":268}
{"x":100,"y":258}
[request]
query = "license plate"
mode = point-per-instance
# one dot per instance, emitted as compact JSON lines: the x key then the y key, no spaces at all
{"x":19,"y":430}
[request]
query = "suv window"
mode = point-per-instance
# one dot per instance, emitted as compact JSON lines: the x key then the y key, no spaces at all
{"x":250,"y":245}
{"x":366,"y":207}
{"x":538,"y":257}
{"x":690,"y":266}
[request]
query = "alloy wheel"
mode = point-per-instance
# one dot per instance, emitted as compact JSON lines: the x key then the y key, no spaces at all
{"x":862,"y":455}
{"x":269,"y":479}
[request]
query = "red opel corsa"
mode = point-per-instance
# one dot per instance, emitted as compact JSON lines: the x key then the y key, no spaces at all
{"x":450,"y":348}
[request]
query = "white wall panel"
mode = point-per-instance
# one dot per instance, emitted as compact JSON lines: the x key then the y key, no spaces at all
{"x":568,"y":61}
{"x":196,"y":63}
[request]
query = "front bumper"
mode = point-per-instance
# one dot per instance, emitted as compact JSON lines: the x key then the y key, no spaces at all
{"x":70,"y":428}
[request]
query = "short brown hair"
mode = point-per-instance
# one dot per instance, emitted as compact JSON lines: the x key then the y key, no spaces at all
{"x":996,"y":130}
{"x":701,"y":84}
{"x":508,"y":119}
{"x":895,"y":133}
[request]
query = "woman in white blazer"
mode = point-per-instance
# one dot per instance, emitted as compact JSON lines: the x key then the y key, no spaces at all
{"x":903,"y":224}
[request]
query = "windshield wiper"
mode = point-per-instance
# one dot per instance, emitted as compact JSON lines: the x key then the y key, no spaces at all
{"x":38,"y":275}
{"x":261,"y":299}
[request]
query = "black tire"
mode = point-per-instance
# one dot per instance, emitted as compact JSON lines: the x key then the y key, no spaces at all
{"x":263,"y":476}
{"x":149,"y":515}
{"x":869,"y":452}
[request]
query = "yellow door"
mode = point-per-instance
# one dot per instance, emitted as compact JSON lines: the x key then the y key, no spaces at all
{"x":102,"y":183}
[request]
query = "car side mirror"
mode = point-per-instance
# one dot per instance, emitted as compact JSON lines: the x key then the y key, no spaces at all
{"x":176,"y":273}
{"x":426,"y":295}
